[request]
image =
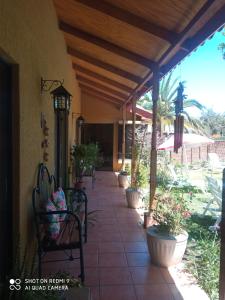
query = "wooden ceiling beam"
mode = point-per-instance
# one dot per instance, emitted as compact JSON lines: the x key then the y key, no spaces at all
{"x":131,"y":19}
{"x":67,"y":28}
{"x":103,"y":65}
{"x":97,"y":85}
{"x":100,"y":94}
{"x":102,"y":78}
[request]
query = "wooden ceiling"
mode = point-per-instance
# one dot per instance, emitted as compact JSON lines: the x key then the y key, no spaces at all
{"x":115,"y":44}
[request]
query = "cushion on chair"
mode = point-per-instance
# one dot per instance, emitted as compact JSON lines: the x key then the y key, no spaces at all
{"x":56,"y":202}
{"x":59,"y":200}
{"x":52,"y":226}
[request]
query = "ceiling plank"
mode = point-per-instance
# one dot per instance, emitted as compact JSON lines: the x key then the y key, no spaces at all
{"x":97,"y":85}
{"x":93,"y":90}
{"x":103,"y":65}
{"x":96,"y":95}
{"x":106,"y":45}
{"x":101,"y":78}
{"x":131,"y":19}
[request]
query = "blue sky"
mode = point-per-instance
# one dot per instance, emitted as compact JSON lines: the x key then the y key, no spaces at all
{"x":204,"y":73}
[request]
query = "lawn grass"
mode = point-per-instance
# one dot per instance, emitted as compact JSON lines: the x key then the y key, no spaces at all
{"x":203,"y":253}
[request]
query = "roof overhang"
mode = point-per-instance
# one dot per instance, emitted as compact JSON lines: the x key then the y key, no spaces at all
{"x":115,"y":44}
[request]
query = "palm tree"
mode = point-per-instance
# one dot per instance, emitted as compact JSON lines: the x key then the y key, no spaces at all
{"x":166,"y":107}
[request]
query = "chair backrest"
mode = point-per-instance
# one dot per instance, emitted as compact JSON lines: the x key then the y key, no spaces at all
{"x":45,"y":186}
{"x":214,"y":188}
{"x":214,"y":160}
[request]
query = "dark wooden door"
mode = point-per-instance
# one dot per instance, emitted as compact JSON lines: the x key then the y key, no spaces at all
{"x":102,"y":134}
{"x":6,"y":219}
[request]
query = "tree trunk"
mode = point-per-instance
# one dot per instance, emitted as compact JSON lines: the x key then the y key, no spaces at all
{"x":153,"y":165}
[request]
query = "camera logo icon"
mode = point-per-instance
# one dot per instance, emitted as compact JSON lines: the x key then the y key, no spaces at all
{"x":15,"y":284}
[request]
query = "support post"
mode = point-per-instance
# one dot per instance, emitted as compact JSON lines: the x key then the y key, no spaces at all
{"x":133,"y":162}
{"x":124,"y":138}
{"x":153,"y":161}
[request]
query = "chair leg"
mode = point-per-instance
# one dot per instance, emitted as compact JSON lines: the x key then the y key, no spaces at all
{"x":39,"y":264}
{"x":82,"y":276}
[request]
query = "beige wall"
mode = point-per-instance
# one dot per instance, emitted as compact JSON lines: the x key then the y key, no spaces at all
{"x":29,"y":36}
{"x":98,"y":111}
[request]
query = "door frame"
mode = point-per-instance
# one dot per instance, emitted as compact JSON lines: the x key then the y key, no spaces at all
{"x":15,"y":144}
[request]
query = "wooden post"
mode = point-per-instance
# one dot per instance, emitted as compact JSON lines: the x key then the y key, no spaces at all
{"x":124,"y":138}
{"x":133,"y":162}
{"x":222,"y":247}
{"x":153,"y":165}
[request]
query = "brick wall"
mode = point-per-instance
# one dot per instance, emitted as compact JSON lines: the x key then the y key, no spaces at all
{"x":199,"y":153}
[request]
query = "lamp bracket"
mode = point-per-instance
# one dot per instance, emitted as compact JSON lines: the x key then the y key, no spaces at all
{"x":48,"y":84}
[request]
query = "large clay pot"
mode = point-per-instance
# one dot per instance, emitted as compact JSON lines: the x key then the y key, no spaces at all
{"x":166,"y":250}
{"x":123,"y":181}
{"x":133,"y":198}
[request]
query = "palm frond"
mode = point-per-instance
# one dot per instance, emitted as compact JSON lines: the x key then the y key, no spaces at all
{"x":193,"y":102}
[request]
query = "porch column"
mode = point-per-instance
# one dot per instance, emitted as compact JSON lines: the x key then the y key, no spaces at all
{"x":133,"y":162}
{"x":153,"y":162}
{"x":124,"y":138}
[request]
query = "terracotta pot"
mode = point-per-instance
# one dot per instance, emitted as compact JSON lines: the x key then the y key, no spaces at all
{"x":123,"y":181}
{"x":166,"y":250}
{"x":133,"y":198}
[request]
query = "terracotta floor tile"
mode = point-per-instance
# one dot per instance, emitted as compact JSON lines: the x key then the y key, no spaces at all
{"x":153,"y":292}
{"x":146,"y":275}
{"x":135,"y":246}
{"x":110,"y":237}
{"x":111,"y":276}
{"x":91,"y":248}
{"x":107,"y":221}
{"x":109,"y":228}
{"x":176,"y":293}
{"x":91,"y":276}
{"x":117,"y":292}
{"x":111,"y":247}
{"x":132,"y":236}
{"x":138,"y":259}
{"x":90,"y":260}
{"x":166,"y":275}
{"x":95,"y":293}
{"x":112,"y":260}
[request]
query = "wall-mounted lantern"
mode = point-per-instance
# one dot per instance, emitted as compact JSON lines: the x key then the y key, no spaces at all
{"x":61,"y":97}
{"x":80,"y":121}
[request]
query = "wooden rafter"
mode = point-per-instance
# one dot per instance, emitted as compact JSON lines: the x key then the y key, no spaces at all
{"x":100,"y":86}
{"x":105,"y":44}
{"x":130,"y":18}
{"x":167,"y":61}
{"x":103,"y":65}
{"x":104,"y":79}
{"x":100,"y":94}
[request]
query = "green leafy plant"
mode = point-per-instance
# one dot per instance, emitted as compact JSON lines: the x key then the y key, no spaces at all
{"x":142,"y":176}
{"x":85,"y":158}
{"x":203,"y":254}
{"x":171,"y":213}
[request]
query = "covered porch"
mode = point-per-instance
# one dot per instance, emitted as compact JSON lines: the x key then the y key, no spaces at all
{"x":116,"y":257}
{"x":107,"y":54}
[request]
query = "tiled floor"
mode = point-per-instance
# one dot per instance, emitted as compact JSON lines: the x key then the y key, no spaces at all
{"x":117,"y":263}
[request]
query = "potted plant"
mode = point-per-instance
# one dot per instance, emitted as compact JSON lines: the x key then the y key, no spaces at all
{"x":85,"y":158}
{"x":140,"y":182}
{"x":123,"y":177}
{"x":167,"y":240}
